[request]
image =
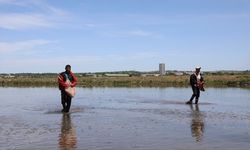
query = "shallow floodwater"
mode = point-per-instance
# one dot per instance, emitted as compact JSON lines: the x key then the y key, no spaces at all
{"x":125,"y":119}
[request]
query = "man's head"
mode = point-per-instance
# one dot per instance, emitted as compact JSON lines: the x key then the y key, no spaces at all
{"x":68,"y":68}
{"x":197,"y":69}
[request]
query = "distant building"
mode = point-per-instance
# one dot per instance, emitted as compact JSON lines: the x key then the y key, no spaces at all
{"x":9,"y":76}
{"x":116,"y":75}
{"x":162,"y":70}
{"x":150,"y":75}
{"x":178,"y":73}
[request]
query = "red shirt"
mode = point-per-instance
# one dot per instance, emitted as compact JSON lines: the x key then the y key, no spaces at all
{"x":62,"y":77}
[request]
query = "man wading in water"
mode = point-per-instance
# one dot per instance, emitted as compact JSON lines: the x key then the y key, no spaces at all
{"x":66,"y":80}
{"x":196,"y":82}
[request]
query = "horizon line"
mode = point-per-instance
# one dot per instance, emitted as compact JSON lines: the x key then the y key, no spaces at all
{"x":128,"y":71}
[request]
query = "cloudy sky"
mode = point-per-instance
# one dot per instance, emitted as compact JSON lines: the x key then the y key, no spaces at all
{"x":112,"y":35}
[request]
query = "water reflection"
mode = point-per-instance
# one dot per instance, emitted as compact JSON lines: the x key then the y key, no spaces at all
{"x":67,"y":138}
{"x":197,"y":123}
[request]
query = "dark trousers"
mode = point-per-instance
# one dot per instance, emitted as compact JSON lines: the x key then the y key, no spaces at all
{"x":65,"y":100}
{"x":196,"y":94}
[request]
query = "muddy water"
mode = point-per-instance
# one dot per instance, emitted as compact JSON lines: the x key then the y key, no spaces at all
{"x":125,"y":118}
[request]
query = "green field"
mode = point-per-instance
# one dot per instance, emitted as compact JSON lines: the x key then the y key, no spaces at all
{"x":224,"y":80}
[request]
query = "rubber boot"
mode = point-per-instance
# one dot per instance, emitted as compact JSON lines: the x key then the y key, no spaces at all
{"x":189,"y":102}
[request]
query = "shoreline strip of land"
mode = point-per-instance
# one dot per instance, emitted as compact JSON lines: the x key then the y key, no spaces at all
{"x":50,"y":80}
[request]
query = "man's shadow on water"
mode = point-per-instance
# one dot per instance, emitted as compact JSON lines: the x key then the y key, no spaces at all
{"x":67,"y":138}
{"x":197,"y":123}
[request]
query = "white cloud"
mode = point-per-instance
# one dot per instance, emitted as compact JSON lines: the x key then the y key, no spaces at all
{"x":139,"y":33}
{"x":80,"y":62}
{"x":132,"y":56}
{"x":22,"y":45}
{"x":10,"y":2}
{"x":23,"y":21}
{"x":131,"y":33}
{"x":35,"y":14}
{"x":39,"y":5}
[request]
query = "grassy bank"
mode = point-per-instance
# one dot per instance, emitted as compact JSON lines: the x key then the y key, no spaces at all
{"x":136,"y":81}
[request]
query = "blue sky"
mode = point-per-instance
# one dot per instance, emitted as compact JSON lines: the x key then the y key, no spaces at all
{"x":113,"y":35}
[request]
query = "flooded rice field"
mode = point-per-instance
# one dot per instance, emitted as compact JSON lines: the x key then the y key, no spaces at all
{"x":125,"y":119}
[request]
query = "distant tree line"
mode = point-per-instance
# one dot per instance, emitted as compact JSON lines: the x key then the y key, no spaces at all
{"x":130,"y":73}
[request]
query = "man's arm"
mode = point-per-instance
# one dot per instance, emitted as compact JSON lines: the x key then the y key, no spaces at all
{"x":61,"y":81}
{"x":74,"y":82}
{"x":193,"y":80}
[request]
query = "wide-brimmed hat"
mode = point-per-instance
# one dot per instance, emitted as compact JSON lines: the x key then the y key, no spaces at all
{"x":198,"y":67}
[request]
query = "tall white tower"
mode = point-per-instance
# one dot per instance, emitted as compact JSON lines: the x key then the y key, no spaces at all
{"x":162,"y":70}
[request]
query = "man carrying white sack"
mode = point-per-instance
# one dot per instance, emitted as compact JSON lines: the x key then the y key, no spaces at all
{"x":197,"y":83}
{"x":67,"y":82}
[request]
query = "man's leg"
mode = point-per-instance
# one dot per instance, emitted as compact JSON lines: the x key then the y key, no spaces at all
{"x":197,"y":96}
{"x":68,"y":103}
{"x":63,"y":100}
{"x":192,"y":97}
